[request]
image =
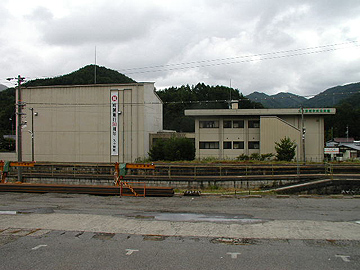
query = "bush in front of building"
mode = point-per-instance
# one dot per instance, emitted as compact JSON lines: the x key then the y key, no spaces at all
{"x":6,"y":144}
{"x":285,"y":149}
{"x":255,"y":157}
{"x":173,"y":149}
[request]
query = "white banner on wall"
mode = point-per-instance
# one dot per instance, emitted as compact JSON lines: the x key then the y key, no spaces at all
{"x":114,"y":101}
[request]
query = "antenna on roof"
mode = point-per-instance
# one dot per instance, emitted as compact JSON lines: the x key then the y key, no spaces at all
{"x":95,"y":68}
{"x":230,"y":104}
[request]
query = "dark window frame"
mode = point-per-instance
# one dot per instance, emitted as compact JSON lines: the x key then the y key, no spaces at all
{"x":209,"y":145}
{"x":254,"y":123}
{"x":227,"y":124}
{"x":209,"y":124}
{"x":254,"y":145}
{"x":227,"y":145}
{"x":238,"y":145}
{"x":240,"y":122}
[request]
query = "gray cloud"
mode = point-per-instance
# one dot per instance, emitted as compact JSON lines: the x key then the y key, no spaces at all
{"x":101,"y":24}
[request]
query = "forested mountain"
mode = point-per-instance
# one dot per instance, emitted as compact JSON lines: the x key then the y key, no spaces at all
{"x":328,"y":98}
{"x":83,"y":76}
{"x":347,"y":115}
{"x":333,"y":96}
{"x":200,"y":96}
{"x":7,"y":118}
{"x":280,"y":100}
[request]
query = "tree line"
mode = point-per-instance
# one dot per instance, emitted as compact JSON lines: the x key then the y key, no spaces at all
{"x":200,"y":96}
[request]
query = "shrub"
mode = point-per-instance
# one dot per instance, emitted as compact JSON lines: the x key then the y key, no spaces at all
{"x":243,"y":157}
{"x":172,"y":149}
{"x":285,"y":149}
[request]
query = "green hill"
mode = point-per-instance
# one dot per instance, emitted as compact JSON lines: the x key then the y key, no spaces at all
{"x":7,"y":110}
{"x":333,"y":96}
{"x":200,"y":96}
{"x":83,"y":76}
{"x":280,"y":100}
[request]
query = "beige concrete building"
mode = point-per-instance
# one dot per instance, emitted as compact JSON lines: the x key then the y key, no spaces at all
{"x":229,"y":133}
{"x":90,"y":123}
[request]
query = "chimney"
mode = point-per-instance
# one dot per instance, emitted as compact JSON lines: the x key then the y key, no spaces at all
{"x":234,"y":104}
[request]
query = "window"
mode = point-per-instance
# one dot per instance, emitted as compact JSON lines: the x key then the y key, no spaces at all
{"x":209,"y":124}
{"x":238,"y":124}
{"x":238,"y":145}
{"x":209,"y":145}
{"x":233,"y":124}
{"x":254,"y":145}
{"x":254,"y":123}
{"x":227,"y":145}
{"x":227,"y":124}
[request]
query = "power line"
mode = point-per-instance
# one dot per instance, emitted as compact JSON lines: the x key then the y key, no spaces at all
{"x":248,"y":58}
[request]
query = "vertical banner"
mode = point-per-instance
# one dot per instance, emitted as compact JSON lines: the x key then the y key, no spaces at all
{"x":114,"y":101}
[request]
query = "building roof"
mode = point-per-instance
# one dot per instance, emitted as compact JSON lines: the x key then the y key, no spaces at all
{"x":350,"y":145}
{"x":259,"y":112}
{"x":344,"y":140}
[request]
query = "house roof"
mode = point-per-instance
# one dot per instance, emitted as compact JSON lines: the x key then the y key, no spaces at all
{"x":344,"y":140}
{"x":351,"y":145}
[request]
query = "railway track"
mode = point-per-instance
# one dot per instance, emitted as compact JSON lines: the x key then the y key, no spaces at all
{"x":97,"y":178}
{"x":84,"y":189}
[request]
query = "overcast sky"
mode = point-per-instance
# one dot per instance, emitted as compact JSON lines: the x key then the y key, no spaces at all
{"x":270,"y":46}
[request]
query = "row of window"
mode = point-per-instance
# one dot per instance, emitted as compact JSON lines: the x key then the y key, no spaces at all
{"x":229,"y":145}
{"x":229,"y":124}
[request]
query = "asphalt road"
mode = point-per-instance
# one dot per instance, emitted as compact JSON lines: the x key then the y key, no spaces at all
{"x":58,"y":231}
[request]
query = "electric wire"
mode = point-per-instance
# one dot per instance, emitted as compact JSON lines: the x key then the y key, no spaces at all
{"x":253,"y":58}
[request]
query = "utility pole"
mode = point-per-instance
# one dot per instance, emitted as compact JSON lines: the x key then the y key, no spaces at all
{"x":303,"y":131}
{"x":20,"y":105}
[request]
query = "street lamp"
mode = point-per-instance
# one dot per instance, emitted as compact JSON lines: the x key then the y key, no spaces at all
{"x":32,"y":133}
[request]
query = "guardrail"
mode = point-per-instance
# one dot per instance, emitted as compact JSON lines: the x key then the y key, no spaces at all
{"x":188,"y":172}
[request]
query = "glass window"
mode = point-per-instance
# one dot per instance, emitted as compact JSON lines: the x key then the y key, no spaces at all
{"x":227,"y":145}
{"x":209,"y":145}
{"x":254,"y":145}
{"x":209,"y":124}
{"x":238,"y":124}
{"x":254,"y":123}
{"x":227,"y":124}
{"x":238,"y":145}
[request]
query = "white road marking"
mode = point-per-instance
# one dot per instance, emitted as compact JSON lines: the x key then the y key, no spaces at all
{"x":39,"y":246}
{"x":343,"y":257}
{"x":130,"y":251}
{"x":7,"y":212}
{"x":233,"y":254}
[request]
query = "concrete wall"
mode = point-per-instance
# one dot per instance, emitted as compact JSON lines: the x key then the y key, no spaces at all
{"x":273,"y":129}
{"x":8,"y":156}
{"x":73,"y":123}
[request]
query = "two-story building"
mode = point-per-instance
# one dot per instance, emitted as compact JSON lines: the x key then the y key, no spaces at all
{"x":229,"y":133}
